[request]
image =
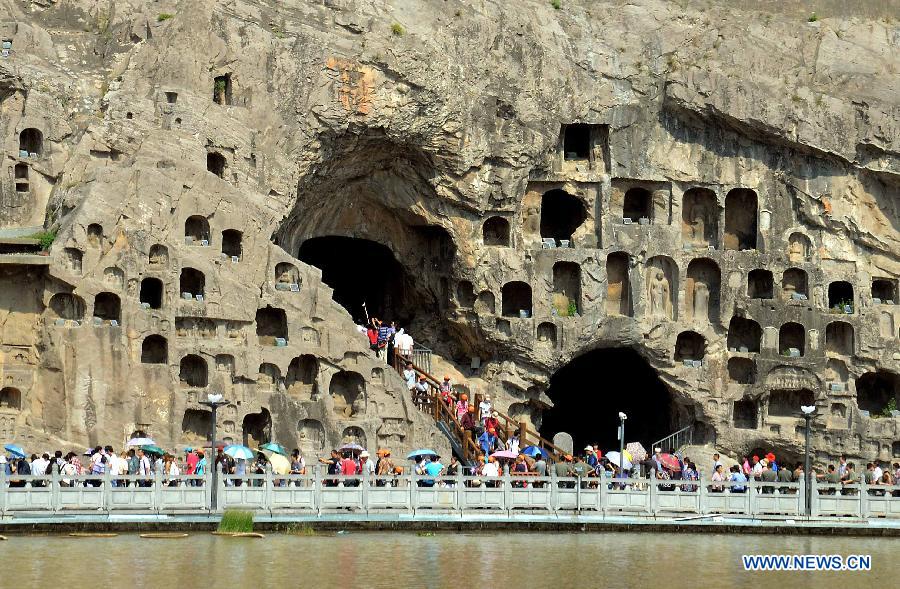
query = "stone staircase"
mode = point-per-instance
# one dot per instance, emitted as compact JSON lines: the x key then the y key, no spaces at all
{"x":462,"y":441}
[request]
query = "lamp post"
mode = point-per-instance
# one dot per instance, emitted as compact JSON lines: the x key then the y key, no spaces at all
{"x":214,"y":401}
{"x":808,"y":411}
{"x":622,"y":418}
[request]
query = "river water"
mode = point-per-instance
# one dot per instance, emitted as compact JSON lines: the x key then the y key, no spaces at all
{"x":447,"y":559}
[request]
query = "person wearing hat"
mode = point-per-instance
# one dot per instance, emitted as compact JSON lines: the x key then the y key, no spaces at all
{"x":488,"y":441}
{"x":768,"y":476}
{"x":447,"y":390}
{"x":462,"y":406}
{"x":467,"y":422}
{"x":366,"y":466}
{"x":590,"y":457}
{"x":422,"y":392}
{"x":385,"y":466}
{"x":493,"y":422}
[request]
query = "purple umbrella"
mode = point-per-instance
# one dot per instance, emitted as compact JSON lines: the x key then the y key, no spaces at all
{"x":504,"y":454}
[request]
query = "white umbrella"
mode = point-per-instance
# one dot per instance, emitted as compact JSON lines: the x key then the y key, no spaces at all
{"x":618,"y":460}
{"x":140,"y":442}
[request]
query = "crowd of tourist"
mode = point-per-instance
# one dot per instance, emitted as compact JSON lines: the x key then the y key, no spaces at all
{"x":140,"y":466}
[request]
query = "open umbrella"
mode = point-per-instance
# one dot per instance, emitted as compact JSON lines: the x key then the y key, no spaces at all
{"x":277,"y":448}
{"x":421,"y":452}
{"x":637,"y":451}
{"x":535,"y":451}
{"x":238,"y":451}
{"x":16,"y":451}
{"x":280,"y":464}
{"x":153,"y":449}
{"x":504,"y":454}
{"x":351,"y":448}
{"x":670,"y":462}
{"x":140,"y":442}
{"x":618,"y":460}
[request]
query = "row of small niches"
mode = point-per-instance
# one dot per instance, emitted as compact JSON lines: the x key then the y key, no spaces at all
{"x":97,"y":322}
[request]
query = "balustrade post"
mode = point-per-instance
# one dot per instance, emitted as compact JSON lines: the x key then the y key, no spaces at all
{"x":317,"y":485}
{"x":814,"y":496}
{"x":3,"y":489}
{"x":554,"y":490}
{"x":156,"y":495}
{"x":413,"y":485}
{"x":653,"y":489}
{"x":752,"y":496}
{"x":578,"y":494}
{"x":54,"y":489}
{"x":863,"y":497}
{"x":460,"y":482}
{"x":507,"y":489}
{"x":268,"y":488}
{"x":106,"y":485}
{"x":703,"y":492}
{"x":365,"y":490}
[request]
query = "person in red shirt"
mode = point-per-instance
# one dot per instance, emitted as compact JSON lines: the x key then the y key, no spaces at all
{"x":492,"y":422}
{"x":191,"y":460}
{"x":349,"y":467}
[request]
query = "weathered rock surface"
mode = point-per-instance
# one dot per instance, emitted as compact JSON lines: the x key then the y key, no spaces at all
{"x":195,"y":146}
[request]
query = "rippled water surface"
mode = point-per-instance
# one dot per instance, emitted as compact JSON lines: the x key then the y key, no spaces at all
{"x":447,"y":559}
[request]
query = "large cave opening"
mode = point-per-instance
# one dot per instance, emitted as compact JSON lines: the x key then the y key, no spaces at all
{"x":361,"y":272}
{"x":589,"y":392}
{"x":369,"y":217}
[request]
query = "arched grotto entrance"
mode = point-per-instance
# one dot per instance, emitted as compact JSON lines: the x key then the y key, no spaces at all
{"x":361,"y":272}
{"x":589,"y":392}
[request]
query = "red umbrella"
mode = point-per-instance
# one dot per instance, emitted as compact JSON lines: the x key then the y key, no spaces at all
{"x":670,"y":462}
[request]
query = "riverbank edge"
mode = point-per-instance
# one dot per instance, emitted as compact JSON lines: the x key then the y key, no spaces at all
{"x":341,"y":522}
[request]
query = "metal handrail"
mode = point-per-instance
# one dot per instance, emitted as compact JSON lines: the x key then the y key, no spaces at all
{"x":672,"y":440}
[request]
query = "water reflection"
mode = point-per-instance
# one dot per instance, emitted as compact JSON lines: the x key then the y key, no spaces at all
{"x":447,"y":559}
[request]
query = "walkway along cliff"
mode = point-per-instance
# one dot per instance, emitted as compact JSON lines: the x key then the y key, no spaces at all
{"x":686,"y":211}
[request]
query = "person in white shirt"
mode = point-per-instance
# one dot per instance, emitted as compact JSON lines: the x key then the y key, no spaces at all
{"x":491,"y":469}
{"x":876,"y":475}
{"x":484,"y":409}
{"x":512,"y":443}
{"x":366,"y":466}
{"x":409,"y":375}
{"x":39,"y":467}
{"x":403,"y":343}
{"x":143,"y":468}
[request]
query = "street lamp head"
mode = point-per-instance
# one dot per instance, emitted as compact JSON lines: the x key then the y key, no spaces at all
{"x":214,"y":397}
{"x":808,"y":409}
{"x":622,"y":416}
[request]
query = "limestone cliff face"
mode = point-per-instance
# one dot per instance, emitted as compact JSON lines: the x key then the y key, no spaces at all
{"x":727,"y":183}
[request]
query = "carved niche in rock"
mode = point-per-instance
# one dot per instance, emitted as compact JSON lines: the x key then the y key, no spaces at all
{"x":700,"y":218}
{"x":662,"y":287}
{"x":348,"y":393}
{"x":702,"y":290}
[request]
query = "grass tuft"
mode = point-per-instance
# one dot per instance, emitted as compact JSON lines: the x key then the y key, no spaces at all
{"x":235,"y":520}
{"x":397,"y":29}
{"x":164,"y":16}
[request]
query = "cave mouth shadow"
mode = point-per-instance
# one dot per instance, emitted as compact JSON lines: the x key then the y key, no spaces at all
{"x":589,"y":392}
{"x":360,"y":272}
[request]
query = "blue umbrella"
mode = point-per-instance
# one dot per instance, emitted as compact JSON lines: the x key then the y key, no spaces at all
{"x":16,"y":451}
{"x":535,"y":451}
{"x":237,"y":451}
{"x":273,"y":447}
{"x":421,"y":452}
